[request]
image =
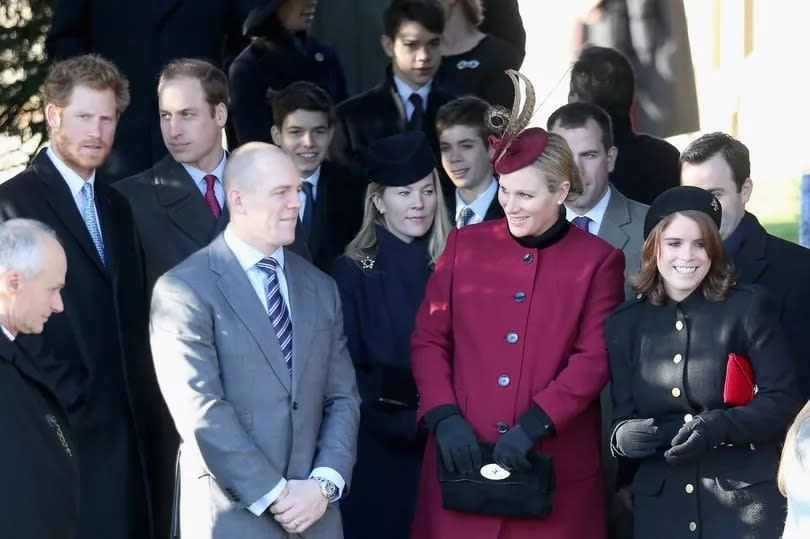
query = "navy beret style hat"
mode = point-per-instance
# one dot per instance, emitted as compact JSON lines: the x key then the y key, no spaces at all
{"x":682,"y":198}
{"x":400,"y":159}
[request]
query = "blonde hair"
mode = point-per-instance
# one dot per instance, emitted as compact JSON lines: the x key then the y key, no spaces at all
{"x":364,"y":243}
{"x":790,"y":453}
{"x":556,"y":162}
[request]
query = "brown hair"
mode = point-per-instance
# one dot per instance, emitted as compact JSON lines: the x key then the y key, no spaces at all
{"x":473,"y":11}
{"x":213,"y":81}
{"x":717,"y":282}
{"x":469,"y":111}
{"x":557,"y":163}
{"x":89,"y":70}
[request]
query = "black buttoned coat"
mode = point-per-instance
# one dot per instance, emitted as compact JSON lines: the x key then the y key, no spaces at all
{"x":668,"y":362}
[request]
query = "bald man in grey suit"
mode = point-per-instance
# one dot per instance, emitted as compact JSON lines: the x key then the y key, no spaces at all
{"x":247,"y":339}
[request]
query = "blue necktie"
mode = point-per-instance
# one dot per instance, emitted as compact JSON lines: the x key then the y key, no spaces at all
{"x":582,"y":222}
{"x":464,"y":217}
{"x":277,"y":309}
{"x":90,"y":220}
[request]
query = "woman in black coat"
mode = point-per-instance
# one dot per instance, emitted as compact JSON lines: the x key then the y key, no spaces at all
{"x":382,"y":279}
{"x":706,"y":467}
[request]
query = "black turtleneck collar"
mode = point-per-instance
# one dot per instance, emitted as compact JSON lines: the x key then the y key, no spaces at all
{"x":552,"y":234}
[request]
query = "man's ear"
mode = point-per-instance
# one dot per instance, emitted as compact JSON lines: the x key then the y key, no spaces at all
{"x":221,"y":114}
{"x":387,"y":45}
{"x":612,"y":154}
{"x":53,"y":116}
{"x":11,"y":281}
{"x":276,"y":135}
{"x":235,"y":201}
{"x":746,"y":190}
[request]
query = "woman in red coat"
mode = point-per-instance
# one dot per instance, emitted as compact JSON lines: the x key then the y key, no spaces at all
{"x":508,"y":348}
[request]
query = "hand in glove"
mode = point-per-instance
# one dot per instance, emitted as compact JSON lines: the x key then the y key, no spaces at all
{"x":513,"y":446}
{"x":696,"y":437}
{"x":637,"y":438}
{"x":458,"y":444}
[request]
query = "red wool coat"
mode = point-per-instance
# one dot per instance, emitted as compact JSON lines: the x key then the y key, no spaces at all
{"x":486,"y":289}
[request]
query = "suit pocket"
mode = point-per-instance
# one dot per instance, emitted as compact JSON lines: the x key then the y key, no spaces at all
{"x":742,"y":478}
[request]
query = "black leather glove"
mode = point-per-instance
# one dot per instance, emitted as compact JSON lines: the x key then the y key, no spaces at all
{"x":696,"y":437}
{"x":458,"y":444}
{"x":637,"y":438}
{"x":513,"y":445}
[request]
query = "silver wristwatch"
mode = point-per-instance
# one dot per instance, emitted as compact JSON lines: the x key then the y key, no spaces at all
{"x":328,"y":488}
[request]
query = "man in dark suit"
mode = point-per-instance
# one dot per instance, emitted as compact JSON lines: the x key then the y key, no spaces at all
{"x":331,"y":197}
{"x":720,"y":164}
{"x":645,"y":166}
{"x":407,"y":98}
{"x":102,"y":373}
{"x":40,"y":495}
{"x":464,"y":146}
{"x":141,"y":38}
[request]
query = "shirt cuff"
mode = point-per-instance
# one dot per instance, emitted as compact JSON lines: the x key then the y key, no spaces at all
{"x":325,"y":472}
{"x":260,"y":506}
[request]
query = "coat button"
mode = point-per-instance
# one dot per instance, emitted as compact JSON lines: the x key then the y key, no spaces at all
{"x":679,"y":325}
{"x":501,"y":427}
{"x":676,"y":392}
{"x":687,"y":418}
{"x":295,"y":405}
{"x":528,"y":258}
{"x":511,"y":337}
{"x":689,"y":488}
{"x":692,"y":526}
{"x":520,"y":297}
{"x":503,"y":380}
{"x":677,"y":358}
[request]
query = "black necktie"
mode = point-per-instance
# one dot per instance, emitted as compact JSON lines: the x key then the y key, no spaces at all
{"x":306,"y":221}
{"x":418,"y":116}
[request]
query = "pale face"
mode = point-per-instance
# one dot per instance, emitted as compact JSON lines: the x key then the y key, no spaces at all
{"x":304,"y":136}
{"x":594,"y":162}
{"x":33,"y":300}
{"x":465,"y":158}
{"x":529,"y":206}
{"x":408,"y":211}
{"x":714,"y":175}
{"x":191,"y":132}
{"x":415,"y":53}
{"x":296,"y":15}
{"x":682,"y":259}
{"x":266,"y":215}
{"x":82,"y":132}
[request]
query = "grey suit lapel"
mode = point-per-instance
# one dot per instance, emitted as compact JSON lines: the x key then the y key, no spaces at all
{"x":304,"y":307}
{"x":616,"y":216}
{"x":235,"y":286}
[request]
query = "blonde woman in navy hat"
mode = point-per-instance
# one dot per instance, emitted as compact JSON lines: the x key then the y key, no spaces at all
{"x":706,"y":443}
{"x":508,"y":348}
{"x":381,"y":279}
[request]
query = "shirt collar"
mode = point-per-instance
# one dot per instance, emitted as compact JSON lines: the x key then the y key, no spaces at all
{"x":74,"y":181}
{"x":480,"y":205}
{"x":595,"y":214}
{"x":7,"y":333}
{"x":246,"y":254}
{"x":197,"y":175}
{"x":405,"y":91}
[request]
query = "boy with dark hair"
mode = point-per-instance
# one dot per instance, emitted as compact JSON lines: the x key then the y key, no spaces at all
{"x":646,"y":166}
{"x":464,"y":146}
{"x":407,"y":98}
{"x":331,"y":197}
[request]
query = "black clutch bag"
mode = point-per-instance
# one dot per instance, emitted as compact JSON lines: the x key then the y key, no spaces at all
{"x":394,"y":387}
{"x":494,"y":491}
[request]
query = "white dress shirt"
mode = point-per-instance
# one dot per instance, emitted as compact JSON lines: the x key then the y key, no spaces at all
{"x":75,"y":184}
{"x":313,"y":179}
{"x":405,"y":92}
{"x":480,"y":205}
{"x":7,"y":333}
{"x":595,"y":214}
{"x":248,"y":256}
{"x":198,"y":176}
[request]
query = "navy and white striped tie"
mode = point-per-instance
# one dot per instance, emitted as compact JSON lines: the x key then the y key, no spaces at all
{"x":277,"y":309}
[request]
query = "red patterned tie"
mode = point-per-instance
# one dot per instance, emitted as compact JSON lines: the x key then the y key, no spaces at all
{"x":211,"y":196}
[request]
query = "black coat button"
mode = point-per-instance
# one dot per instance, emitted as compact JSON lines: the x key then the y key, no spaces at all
{"x":528,"y":258}
{"x":295,"y":405}
{"x":520,"y":297}
{"x":511,"y":337}
{"x":501,"y":427}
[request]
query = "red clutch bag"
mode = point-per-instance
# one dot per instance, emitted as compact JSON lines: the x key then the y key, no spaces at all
{"x":740,"y":385}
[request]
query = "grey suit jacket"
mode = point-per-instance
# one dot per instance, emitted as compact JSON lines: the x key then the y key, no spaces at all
{"x":623,"y":228}
{"x":244,"y":421}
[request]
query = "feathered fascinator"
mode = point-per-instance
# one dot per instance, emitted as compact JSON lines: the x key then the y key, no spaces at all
{"x":516,"y":147}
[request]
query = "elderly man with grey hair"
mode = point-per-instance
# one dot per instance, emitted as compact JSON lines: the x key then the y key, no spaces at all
{"x":37,"y":462}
